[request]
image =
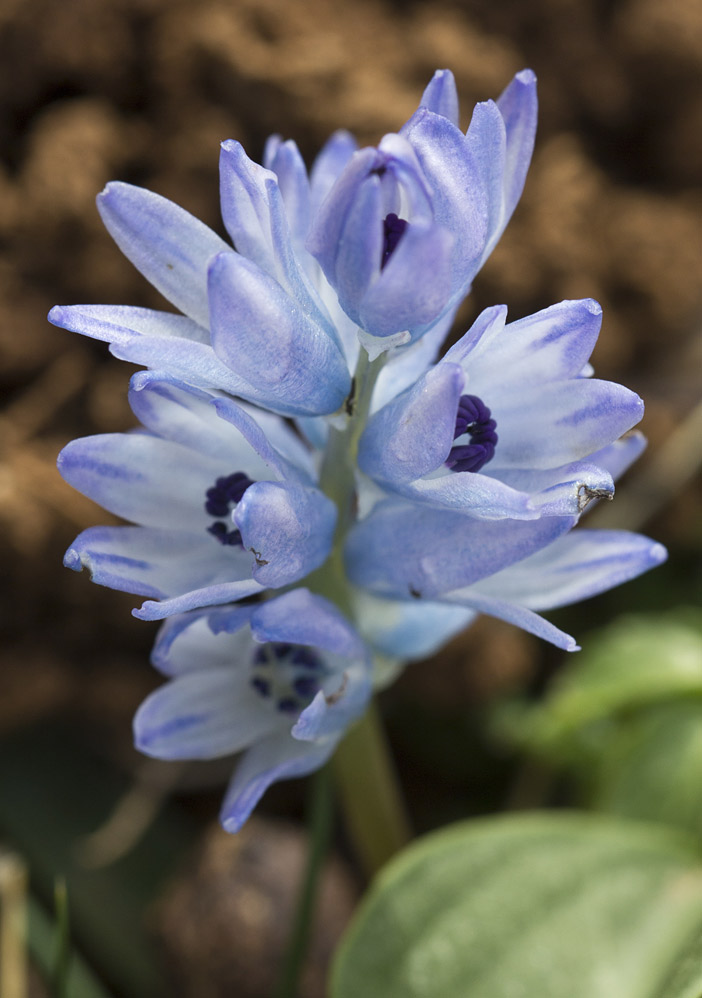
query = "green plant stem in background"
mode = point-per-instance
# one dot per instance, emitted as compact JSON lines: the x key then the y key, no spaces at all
{"x":62,"y":952}
{"x":319,"y":831}
{"x":374,"y":810}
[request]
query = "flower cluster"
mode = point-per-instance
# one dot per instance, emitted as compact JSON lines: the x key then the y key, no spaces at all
{"x":312,"y":491}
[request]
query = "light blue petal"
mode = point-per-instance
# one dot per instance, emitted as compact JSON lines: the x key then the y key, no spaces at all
{"x":487,"y":141}
{"x":518,"y":106}
{"x":405,"y":364}
{"x":575,"y":567}
{"x":620,"y":455}
{"x":203,"y":715}
{"x":191,"y":362}
{"x":184,"y":570}
{"x":481,"y":336}
{"x":413,"y":434}
{"x":262,"y":335}
{"x":188,"y":643}
{"x":288,"y":528}
{"x":521,"y":617}
{"x":359,"y":251}
{"x":304,"y":618}
{"x":564,"y":491}
{"x":412,"y":289}
{"x":278,"y":757}
{"x":118,"y":323}
{"x":325,"y":236}
{"x":473,"y":493}
{"x":328,"y":166}
{"x":568,"y":420}
{"x":140,"y":478}
{"x":459,"y":199}
{"x":550,"y":345}
{"x":403,"y":550}
{"x":288,"y":166}
{"x":408,"y":631}
{"x":441,"y":96}
{"x":341,"y":701}
{"x":167,"y":244}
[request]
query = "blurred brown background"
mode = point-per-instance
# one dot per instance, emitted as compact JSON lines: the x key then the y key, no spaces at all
{"x":144,"y":90}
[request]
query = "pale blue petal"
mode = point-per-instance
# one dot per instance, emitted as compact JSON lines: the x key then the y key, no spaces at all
{"x":341,"y":701}
{"x":413,"y":288}
{"x":329,"y":165}
{"x":203,"y":715}
{"x":262,"y":335}
{"x":141,"y":478}
{"x":413,"y":434}
{"x":521,"y":617}
{"x":575,"y":567}
{"x":359,"y":251}
{"x":518,"y":106}
{"x":211,"y":595}
{"x":486,"y":140}
{"x":485,"y":331}
{"x":288,"y":166}
{"x":278,"y":757}
{"x":405,"y":364}
{"x":564,"y":491}
{"x":408,"y":630}
{"x":567,"y":420}
{"x":304,"y":618}
{"x":402,"y":550}
{"x":441,"y":96}
{"x":170,"y":247}
{"x":118,"y":323}
{"x":188,"y":643}
{"x":550,"y":345}
{"x":473,"y":493}
{"x":288,"y":528}
{"x":620,"y":455}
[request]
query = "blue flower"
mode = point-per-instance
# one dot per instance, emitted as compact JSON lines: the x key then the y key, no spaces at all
{"x":224,"y":499}
{"x":505,"y":425}
{"x":413,"y":492}
{"x":280,"y":681}
{"x":408,"y":224}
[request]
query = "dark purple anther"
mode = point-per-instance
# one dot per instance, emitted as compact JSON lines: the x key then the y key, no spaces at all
{"x":474,"y":418}
{"x":219,"y":499}
{"x":393,"y":227}
{"x":289,"y":675}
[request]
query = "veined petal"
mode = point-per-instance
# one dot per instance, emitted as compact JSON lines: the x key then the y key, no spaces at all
{"x":475,"y":494}
{"x":170,"y":247}
{"x":118,"y":323}
{"x":140,"y":478}
{"x":550,"y":345}
{"x":203,"y":715}
{"x":441,"y":96}
{"x":412,"y":435}
{"x":341,"y":701}
{"x":278,"y":757}
{"x":487,"y":141}
{"x":565,"y":491}
{"x":182,"y":570}
{"x":480,"y":337}
{"x":567,"y":420}
{"x":575,"y":567}
{"x":403,"y":549}
{"x":264,"y":336}
{"x":288,"y":528}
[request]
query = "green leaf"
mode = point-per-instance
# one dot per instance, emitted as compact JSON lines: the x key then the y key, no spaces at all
{"x":529,"y":906}
{"x":634,"y":663}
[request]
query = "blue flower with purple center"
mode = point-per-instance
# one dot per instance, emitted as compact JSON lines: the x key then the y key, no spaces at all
{"x":312,"y":486}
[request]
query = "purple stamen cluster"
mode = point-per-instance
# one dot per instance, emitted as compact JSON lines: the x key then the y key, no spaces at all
{"x":393,"y":228}
{"x":473,"y":417}
{"x":303,"y":667}
{"x":219,"y":499}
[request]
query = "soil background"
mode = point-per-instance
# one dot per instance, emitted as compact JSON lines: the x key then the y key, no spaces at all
{"x":144,"y":91}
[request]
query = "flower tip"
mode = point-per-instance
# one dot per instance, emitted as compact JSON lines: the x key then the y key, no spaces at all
{"x":72,"y":558}
{"x":593,"y":307}
{"x":527,"y":77}
{"x":56,"y":315}
{"x":658,"y":554}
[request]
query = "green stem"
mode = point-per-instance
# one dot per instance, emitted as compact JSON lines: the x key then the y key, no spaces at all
{"x":319,"y":829}
{"x":367,"y":783}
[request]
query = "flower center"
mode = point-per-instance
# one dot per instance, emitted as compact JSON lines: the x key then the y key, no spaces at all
{"x":393,"y":228}
{"x":474,"y":418}
{"x":220,"y":499}
{"x":287,"y":675}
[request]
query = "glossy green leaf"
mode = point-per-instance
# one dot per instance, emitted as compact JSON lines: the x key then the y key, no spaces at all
{"x":529,"y":906}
